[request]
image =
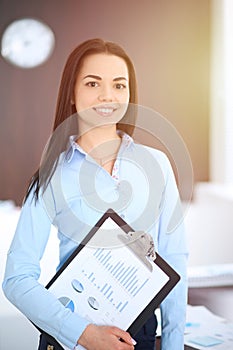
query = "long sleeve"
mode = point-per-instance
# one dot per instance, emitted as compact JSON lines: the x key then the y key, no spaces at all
{"x":21,"y":284}
{"x":173,"y":248}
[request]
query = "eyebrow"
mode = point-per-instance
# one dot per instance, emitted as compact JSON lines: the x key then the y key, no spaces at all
{"x":99,"y":78}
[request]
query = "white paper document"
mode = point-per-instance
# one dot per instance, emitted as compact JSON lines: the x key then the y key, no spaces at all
{"x":207,"y":330}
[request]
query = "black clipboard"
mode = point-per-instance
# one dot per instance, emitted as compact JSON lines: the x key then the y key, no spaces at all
{"x":171,"y":275}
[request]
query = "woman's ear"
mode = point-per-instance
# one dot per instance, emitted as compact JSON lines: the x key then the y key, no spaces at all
{"x":72,"y":99}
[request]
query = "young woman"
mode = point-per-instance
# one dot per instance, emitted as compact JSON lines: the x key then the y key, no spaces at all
{"x":88,"y":160}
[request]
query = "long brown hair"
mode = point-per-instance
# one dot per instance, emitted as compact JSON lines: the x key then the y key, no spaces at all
{"x":66,"y":111}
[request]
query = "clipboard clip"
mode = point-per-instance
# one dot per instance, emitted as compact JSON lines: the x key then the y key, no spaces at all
{"x":141,"y":244}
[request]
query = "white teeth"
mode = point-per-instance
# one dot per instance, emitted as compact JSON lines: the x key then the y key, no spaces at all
{"x":104,"y":110}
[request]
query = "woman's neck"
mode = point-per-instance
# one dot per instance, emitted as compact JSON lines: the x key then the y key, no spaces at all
{"x":96,"y":137}
{"x":102,"y":144}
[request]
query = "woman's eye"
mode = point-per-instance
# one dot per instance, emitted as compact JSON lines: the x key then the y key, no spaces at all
{"x":92,"y":84}
{"x":120,"y":86}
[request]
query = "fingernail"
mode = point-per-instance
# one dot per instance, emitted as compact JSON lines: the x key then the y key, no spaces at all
{"x":133,"y":341}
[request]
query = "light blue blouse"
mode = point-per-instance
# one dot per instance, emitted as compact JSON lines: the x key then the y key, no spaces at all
{"x":142,"y":189}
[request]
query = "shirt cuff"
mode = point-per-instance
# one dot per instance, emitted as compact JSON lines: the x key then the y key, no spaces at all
{"x":71,"y":330}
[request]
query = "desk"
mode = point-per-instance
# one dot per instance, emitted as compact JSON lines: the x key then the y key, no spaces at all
{"x":217,"y":299}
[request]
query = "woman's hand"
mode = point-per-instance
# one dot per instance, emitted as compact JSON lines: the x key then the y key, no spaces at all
{"x":105,"y":337}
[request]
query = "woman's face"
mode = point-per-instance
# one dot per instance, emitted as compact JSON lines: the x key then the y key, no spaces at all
{"x":101,"y":93}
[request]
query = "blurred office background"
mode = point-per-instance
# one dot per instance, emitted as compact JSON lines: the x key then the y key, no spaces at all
{"x":183,"y":54}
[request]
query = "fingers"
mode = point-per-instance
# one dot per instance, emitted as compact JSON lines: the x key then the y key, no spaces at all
{"x":123,"y":336}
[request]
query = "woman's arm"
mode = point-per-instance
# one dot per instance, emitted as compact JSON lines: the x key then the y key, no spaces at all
{"x":173,"y":248}
{"x":22,"y":272}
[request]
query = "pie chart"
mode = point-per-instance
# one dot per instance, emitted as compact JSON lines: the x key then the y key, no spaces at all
{"x":67,"y":302}
{"x":77,"y":286}
{"x":93,"y":303}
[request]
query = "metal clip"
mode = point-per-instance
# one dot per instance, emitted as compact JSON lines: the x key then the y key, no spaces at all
{"x":141,"y":244}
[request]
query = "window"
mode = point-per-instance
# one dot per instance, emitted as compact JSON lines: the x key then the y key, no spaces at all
{"x":221,"y":85}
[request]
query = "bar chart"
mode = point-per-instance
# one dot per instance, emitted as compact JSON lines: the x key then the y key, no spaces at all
{"x":127,"y":275}
{"x":114,"y":276}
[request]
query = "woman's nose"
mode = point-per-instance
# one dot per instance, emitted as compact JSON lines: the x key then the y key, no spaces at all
{"x":106,"y":94}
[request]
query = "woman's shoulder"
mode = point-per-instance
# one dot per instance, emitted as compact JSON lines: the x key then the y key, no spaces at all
{"x":159,"y":155}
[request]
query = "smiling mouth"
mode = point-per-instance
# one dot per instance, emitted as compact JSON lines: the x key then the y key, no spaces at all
{"x":105,"y":111}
